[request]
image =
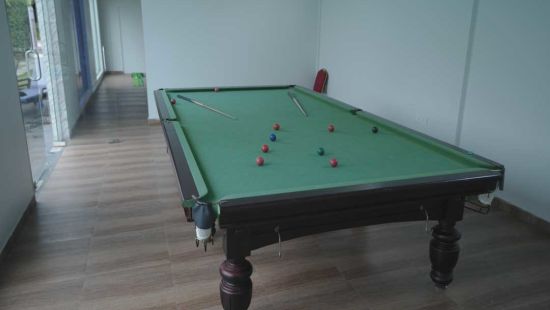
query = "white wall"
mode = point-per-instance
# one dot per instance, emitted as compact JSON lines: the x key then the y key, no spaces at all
{"x":110,"y":34}
{"x":240,"y":42}
{"x":122,"y":35}
{"x":400,"y":59}
{"x":406,"y":61}
{"x":16,"y":188}
{"x":507,"y":111}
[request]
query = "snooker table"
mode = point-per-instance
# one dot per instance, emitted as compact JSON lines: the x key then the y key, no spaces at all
{"x":385,"y":174}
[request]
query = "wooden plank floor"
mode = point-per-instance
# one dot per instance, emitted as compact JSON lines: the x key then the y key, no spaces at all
{"x":108,"y":233}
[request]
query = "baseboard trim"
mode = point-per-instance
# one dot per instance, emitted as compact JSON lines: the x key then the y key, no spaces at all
{"x":522,"y":215}
{"x":153,"y":122}
{"x":18,"y":229}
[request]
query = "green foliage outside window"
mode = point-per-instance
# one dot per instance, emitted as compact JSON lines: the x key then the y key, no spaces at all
{"x":18,"y":20}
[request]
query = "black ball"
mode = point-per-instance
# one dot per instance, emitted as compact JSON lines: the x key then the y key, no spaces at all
{"x":374,"y":129}
{"x":321,"y":151}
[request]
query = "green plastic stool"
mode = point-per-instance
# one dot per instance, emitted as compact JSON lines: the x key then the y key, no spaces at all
{"x":137,"y":79}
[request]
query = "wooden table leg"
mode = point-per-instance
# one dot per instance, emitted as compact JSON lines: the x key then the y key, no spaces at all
{"x":236,"y":286}
{"x":444,"y":252}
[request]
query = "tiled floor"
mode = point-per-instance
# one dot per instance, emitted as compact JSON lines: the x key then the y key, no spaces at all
{"x":108,"y":233}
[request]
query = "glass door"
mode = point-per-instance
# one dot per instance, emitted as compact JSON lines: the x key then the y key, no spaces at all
{"x":33,"y":94}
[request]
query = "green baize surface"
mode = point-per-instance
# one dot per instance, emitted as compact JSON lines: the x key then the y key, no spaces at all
{"x":225,"y":150}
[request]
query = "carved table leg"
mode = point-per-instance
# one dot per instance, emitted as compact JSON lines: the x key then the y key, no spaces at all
{"x":236,"y":286}
{"x":444,"y":252}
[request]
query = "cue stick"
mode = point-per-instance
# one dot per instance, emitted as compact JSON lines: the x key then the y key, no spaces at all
{"x":202,"y":105}
{"x":297,"y":103}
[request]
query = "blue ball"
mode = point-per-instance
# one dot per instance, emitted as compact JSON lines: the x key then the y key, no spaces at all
{"x":272,"y":137}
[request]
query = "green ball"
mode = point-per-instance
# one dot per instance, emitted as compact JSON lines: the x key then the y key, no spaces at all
{"x":321,"y":151}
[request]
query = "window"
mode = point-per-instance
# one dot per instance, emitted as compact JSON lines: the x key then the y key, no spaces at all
{"x":96,"y":38}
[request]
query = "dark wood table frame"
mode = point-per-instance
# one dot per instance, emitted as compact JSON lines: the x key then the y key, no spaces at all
{"x":251,"y":223}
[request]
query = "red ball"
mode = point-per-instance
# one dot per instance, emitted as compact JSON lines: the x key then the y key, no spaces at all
{"x":260,"y":161}
{"x":173,"y":101}
{"x":265,"y":148}
{"x":333,"y":163}
{"x":331,"y":128}
{"x":216,"y":89}
{"x":276,"y":126}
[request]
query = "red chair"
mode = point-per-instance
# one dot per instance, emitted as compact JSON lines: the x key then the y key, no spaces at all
{"x":321,"y":80}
